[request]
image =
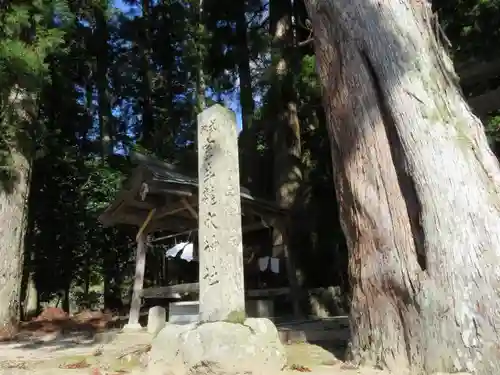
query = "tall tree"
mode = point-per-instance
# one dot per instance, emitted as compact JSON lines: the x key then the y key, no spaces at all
{"x":201,"y":101}
{"x":418,"y":189}
{"x":101,"y":51}
{"x":286,"y":144}
{"x":26,"y":37}
{"x":243,"y":56}
{"x":145,"y":46}
{"x":246,"y":94}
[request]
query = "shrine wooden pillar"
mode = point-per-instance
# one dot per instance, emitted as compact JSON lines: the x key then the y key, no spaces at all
{"x":140,"y":268}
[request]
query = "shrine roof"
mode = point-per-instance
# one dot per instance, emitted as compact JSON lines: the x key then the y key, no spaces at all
{"x":154,"y":184}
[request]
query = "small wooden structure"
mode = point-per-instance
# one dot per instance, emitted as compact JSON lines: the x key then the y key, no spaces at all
{"x":157,"y":197}
{"x":155,"y":185}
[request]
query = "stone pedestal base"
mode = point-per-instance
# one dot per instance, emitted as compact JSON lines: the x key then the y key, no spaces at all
{"x":218,"y":347}
{"x":184,"y":312}
{"x":157,"y":318}
{"x":135,"y":327}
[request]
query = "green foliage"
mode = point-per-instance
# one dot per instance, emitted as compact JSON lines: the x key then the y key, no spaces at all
{"x":493,"y":130}
{"x":51,"y":50}
{"x":473,"y":27}
{"x":27,"y":37}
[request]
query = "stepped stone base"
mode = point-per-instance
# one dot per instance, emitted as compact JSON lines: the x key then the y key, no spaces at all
{"x":218,"y":347}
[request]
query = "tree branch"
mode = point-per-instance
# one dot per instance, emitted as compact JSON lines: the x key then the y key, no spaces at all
{"x":305,"y":42}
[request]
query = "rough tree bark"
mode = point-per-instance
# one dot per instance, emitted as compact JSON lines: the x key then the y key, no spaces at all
{"x":417,"y":187}
{"x":12,"y":230}
{"x":201,"y":101}
{"x":249,"y":136}
{"x":244,"y":72}
{"x":148,"y":138}
{"x":101,"y":72}
{"x":14,"y":191}
{"x":288,"y":174}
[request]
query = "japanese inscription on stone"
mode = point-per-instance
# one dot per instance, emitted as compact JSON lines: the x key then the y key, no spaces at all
{"x":220,"y":235}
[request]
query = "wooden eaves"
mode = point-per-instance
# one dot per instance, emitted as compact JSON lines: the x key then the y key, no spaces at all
{"x":156,"y":185}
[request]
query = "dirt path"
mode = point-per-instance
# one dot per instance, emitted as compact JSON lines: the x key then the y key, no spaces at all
{"x":113,"y":353}
{"x":93,"y":347}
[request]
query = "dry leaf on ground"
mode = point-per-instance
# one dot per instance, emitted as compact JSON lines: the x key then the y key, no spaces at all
{"x":80,"y":364}
{"x":300,"y":368}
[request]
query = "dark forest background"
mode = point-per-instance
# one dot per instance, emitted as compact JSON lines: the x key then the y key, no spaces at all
{"x":109,"y":78}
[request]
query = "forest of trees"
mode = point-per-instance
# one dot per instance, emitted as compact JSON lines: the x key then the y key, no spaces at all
{"x":354,"y":117}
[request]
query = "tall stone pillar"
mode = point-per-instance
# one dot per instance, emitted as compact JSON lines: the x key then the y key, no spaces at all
{"x":222,"y":295}
{"x":225,"y":341}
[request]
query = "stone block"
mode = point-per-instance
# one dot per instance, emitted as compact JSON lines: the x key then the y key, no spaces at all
{"x":183,"y":312}
{"x":218,"y":347}
{"x":157,"y":318}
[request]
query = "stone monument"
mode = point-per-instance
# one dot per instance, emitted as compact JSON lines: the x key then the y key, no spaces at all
{"x":222,"y":294}
{"x":224,"y":341}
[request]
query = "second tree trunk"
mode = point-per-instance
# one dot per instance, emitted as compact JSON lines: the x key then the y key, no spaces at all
{"x":418,"y":189}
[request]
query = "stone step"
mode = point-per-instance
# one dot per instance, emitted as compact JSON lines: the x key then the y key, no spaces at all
{"x":335,"y":329}
{"x":327,"y":329}
{"x":290,"y":336}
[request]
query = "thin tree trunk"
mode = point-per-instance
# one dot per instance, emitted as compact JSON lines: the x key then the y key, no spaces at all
{"x":246,"y":94}
{"x":200,"y":74}
{"x":286,"y":144}
{"x":86,"y":279}
{"x":65,"y":299}
{"x":417,"y":187}
{"x":29,"y":292}
{"x":246,"y":97}
{"x":148,"y":137}
{"x":31,"y":304}
{"x":105,"y":117}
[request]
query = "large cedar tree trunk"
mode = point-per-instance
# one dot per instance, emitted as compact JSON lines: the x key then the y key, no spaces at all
{"x":14,"y":191}
{"x":418,"y":190}
{"x":13,"y":202}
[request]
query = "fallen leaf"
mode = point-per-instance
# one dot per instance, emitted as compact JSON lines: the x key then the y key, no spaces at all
{"x":15,"y":364}
{"x":76,"y":365}
{"x":300,"y":368}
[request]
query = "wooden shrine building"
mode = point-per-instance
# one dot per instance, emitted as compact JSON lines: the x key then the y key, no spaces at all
{"x":158,"y":198}
{"x":155,"y":185}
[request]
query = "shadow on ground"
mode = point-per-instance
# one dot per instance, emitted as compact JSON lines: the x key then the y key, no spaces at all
{"x":56,"y":334}
{"x":328,"y":335}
